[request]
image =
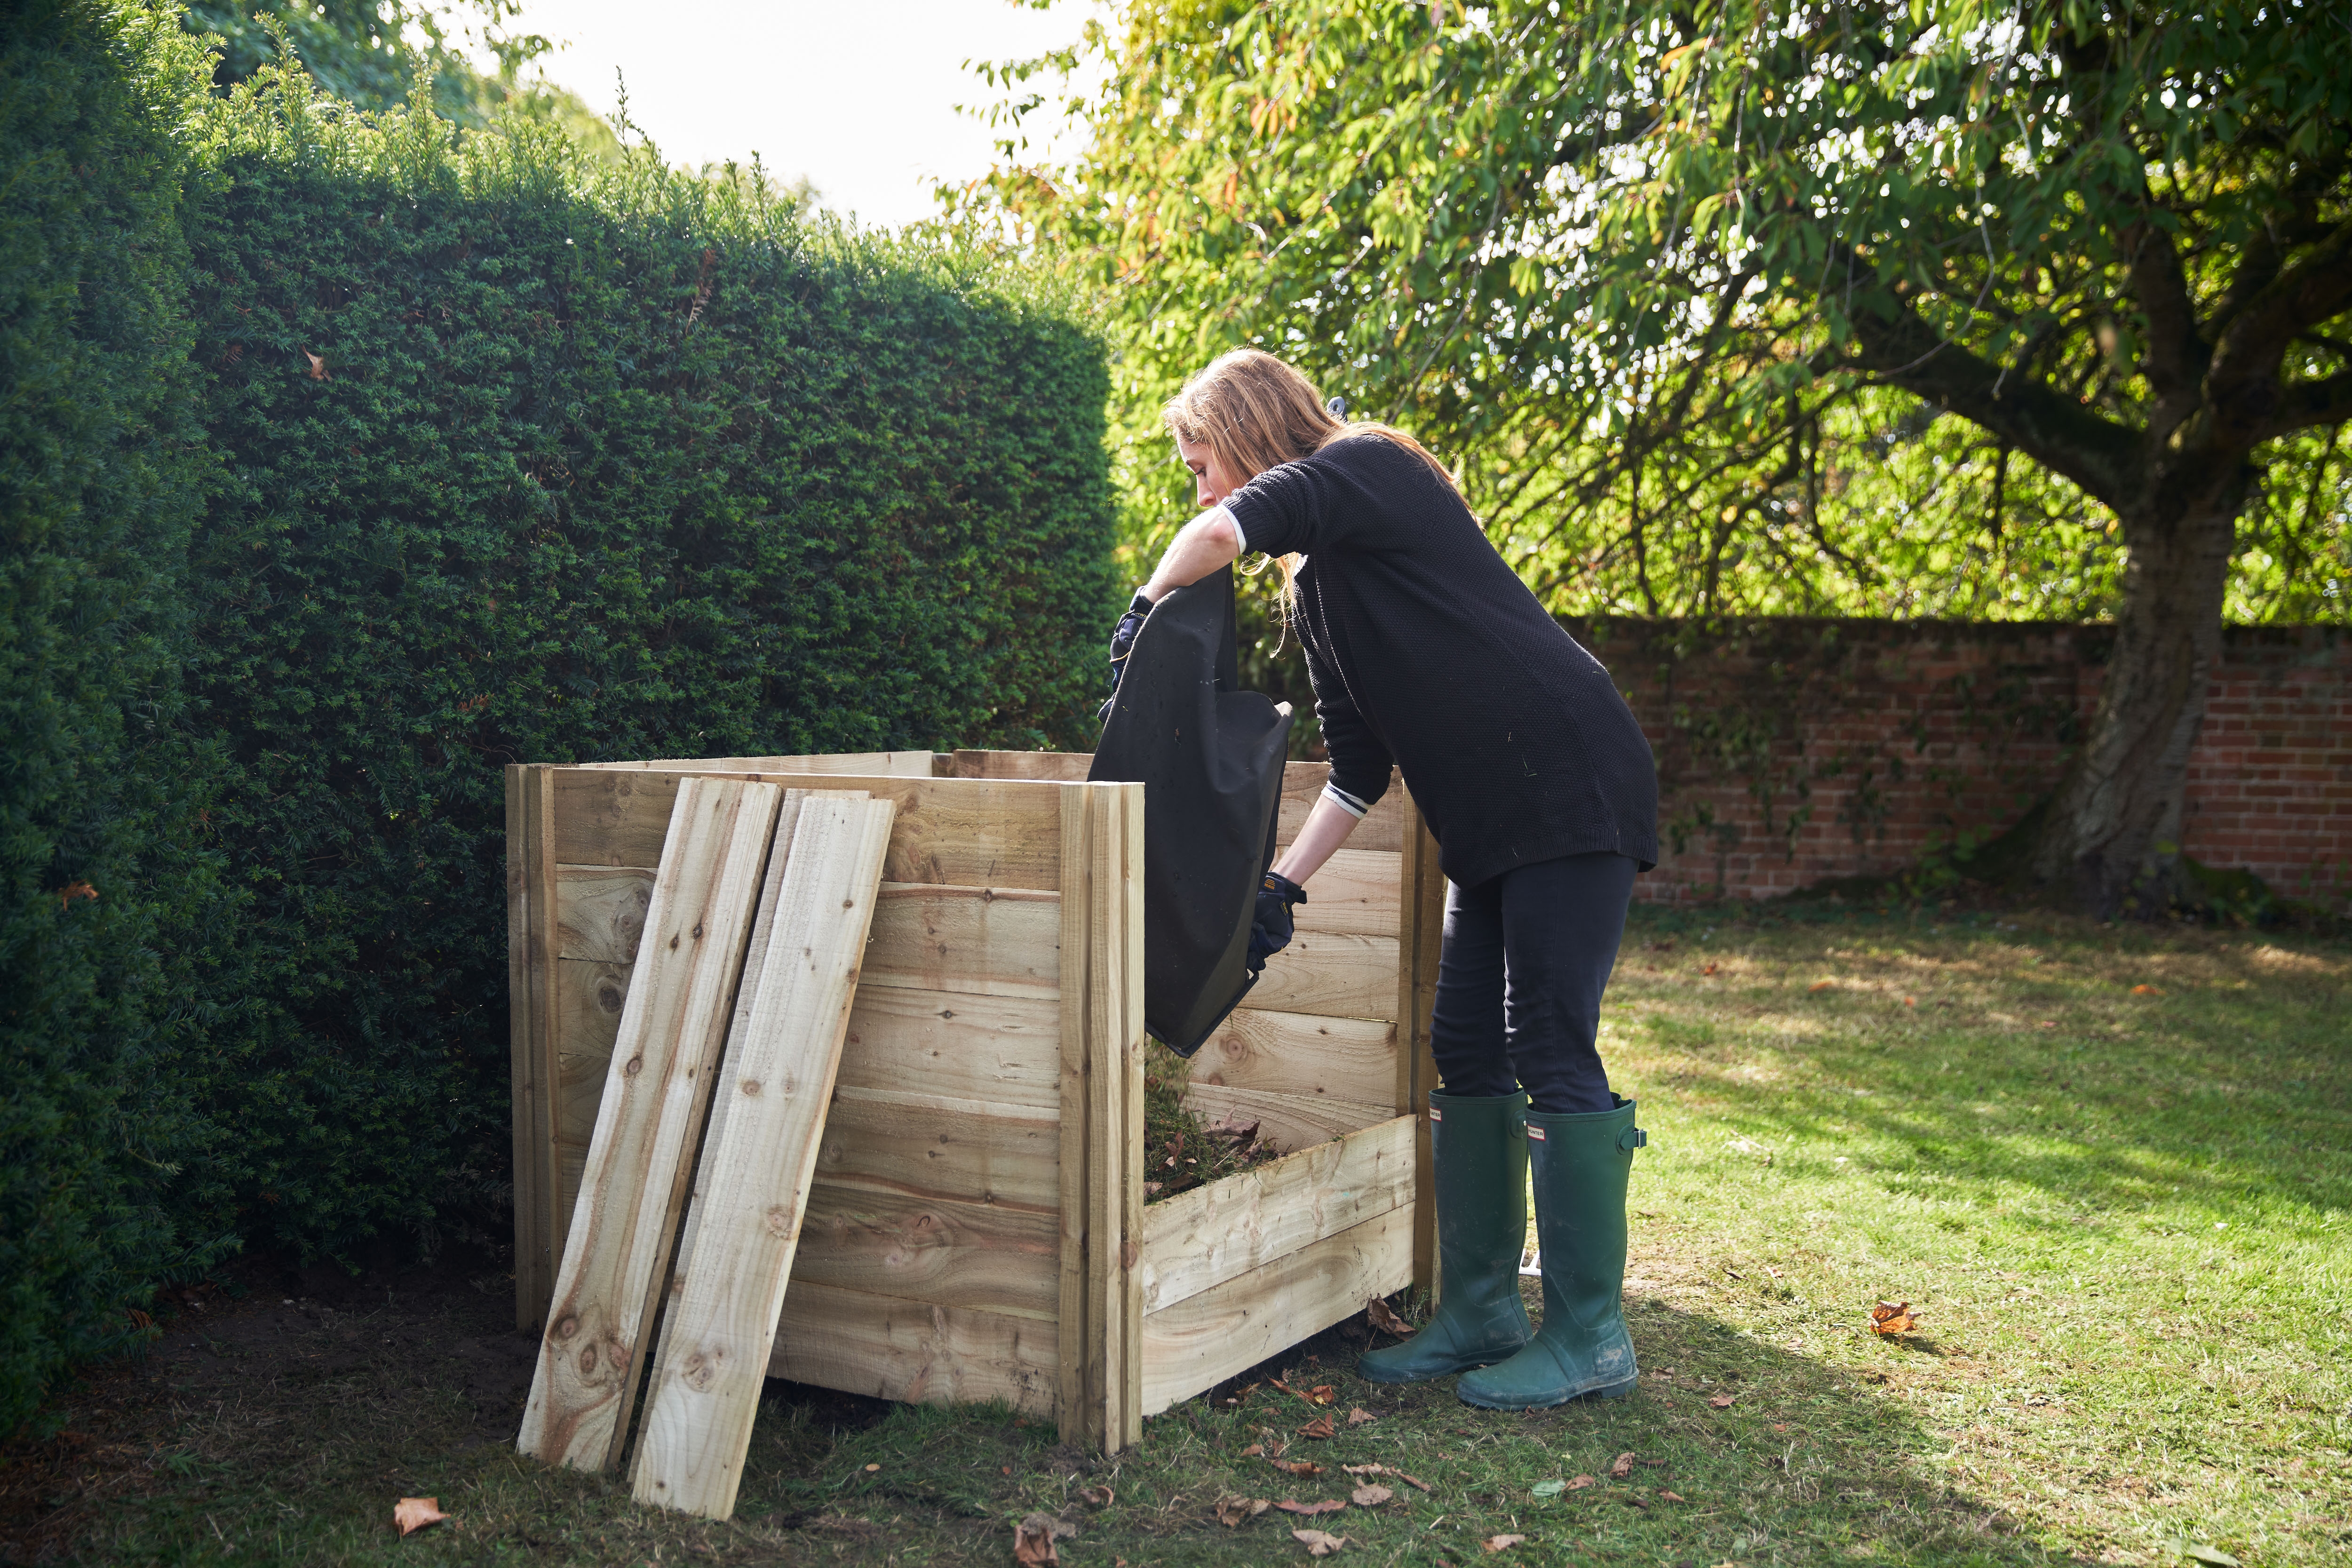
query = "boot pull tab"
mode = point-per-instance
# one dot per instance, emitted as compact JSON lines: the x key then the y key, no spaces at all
{"x":1633,"y":1138}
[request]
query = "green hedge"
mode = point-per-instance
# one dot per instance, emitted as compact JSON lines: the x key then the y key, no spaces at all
{"x":102,"y":471}
{"x":504,"y":457}
{"x":530,"y":460}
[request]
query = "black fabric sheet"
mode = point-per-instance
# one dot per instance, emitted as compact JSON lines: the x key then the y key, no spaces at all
{"x":1210,"y":758}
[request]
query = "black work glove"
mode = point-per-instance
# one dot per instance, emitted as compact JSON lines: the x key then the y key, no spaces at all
{"x":1273,"y":928}
{"x":1122,"y":640}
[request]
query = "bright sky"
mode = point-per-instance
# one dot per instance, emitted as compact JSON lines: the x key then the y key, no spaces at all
{"x":859,"y":95}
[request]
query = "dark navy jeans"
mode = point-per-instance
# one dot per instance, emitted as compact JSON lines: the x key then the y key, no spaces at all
{"x":1527,"y":956}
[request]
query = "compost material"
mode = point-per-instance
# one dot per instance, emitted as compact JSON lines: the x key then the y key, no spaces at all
{"x":1210,"y":756}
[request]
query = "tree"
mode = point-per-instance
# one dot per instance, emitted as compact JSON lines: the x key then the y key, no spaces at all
{"x":368,"y":52}
{"x":1737,"y":302}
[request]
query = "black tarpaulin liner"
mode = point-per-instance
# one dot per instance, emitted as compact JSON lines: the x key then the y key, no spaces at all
{"x":1210,"y":758}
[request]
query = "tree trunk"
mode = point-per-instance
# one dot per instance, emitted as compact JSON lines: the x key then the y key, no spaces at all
{"x":2113,"y":833}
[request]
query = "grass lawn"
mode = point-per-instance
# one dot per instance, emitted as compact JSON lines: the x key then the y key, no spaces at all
{"x":2110,"y":1170}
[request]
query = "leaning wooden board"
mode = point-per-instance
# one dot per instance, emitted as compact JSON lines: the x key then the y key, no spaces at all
{"x":751,"y":1192}
{"x":657,"y":1084}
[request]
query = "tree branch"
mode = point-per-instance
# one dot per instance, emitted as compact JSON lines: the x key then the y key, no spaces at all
{"x":2302,"y":404}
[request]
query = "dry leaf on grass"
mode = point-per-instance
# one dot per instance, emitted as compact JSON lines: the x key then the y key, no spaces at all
{"x":2146,"y":991}
{"x":1319,"y":1544}
{"x":1232,"y":1511}
{"x":1253,"y":1452}
{"x":1371,"y":1497}
{"x":1377,"y":1313}
{"x":1321,"y":1394}
{"x":1101,"y":1496}
{"x":1501,"y":1542}
{"x":1358,"y":1416}
{"x":1033,"y":1538}
{"x":1309,"y":1510}
{"x":1722,"y":1401}
{"x":1893,"y":1317}
{"x":1318,"y":1428}
{"x":1623,"y":1466}
{"x":1578,"y":1483}
{"x":1384,"y":1470}
{"x":414,"y":1513}
{"x":1709,"y":969}
{"x":1296,"y":1466}
{"x":1821,"y":985}
{"x":1671,"y":1497}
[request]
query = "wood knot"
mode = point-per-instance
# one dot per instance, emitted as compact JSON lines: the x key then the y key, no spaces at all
{"x":633,"y":1066}
{"x":697,"y":931}
{"x":567,"y":1328}
{"x":751,"y":1086}
{"x":780,"y":1220}
{"x":587,"y":1360}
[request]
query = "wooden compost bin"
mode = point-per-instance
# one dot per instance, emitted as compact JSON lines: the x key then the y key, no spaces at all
{"x":977,"y":1229}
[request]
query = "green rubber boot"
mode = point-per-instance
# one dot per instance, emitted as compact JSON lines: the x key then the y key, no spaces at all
{"x":1582,"y":1351}
{"x":1478,"y":1147}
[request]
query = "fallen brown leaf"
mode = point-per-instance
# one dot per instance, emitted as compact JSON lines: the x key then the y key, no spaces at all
{"x":1893,"y":1317}
{"x":1501,"y":1542}
{"x":1371,"y":1497}
{"x":1317,"y":1542}
{"x":1358,"y":1416}
{"x":1321,"y":1394}
{"x":1318,"y":1428}
{"x":1309,"y":1510}
{"x":1377,"y":1313}
{"x":2146,"y":991}
{"x":1101,"y":1496}
{"x":1636,"y":1499}
{"x":1671,"y":1497}
{"x":1384,"y":1470}
{"x":1623,"y":1468}
{"x":1232,"y":1511}
{"x":1821,"y":985}
{"x":414,"y":1513}
{"x":1296,"y":1466}
{"x":1722,"y":1401}
{"x":1578,"y":1483}
{"x":319,"y":373}
{"x":1709,"y":969}
{"x":1033,"y":1538}
{"x":1253,"y":1451}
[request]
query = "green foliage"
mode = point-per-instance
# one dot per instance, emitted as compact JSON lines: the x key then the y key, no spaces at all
{"x":537,"y":458}
{"x":1671,"y":282}
{"x":373,"y":53}
{"x":103,"y":474}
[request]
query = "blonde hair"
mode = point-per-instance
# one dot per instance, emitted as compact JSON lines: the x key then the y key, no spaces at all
{"x":1255,"y":412}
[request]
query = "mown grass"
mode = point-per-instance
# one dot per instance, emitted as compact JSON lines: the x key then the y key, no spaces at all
{"x":2121,"y":1214}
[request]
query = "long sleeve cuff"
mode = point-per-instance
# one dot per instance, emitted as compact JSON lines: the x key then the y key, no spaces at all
{"x":1344,"y":801}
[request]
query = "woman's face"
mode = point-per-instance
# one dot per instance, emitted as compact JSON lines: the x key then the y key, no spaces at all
{"x":1210,"y":483}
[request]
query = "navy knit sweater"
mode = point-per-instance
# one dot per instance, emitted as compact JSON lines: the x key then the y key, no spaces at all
{"x":1428,"y":652}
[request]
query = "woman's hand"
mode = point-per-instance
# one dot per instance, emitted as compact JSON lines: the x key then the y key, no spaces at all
{"x":1201,"y":546}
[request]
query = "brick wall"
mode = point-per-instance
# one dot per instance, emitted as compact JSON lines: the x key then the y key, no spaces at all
{"x":1791,"y":752}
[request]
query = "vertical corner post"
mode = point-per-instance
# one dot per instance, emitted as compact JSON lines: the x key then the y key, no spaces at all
{"x":531,"y":1023}
{"x":1124,"y":877}
{"x":1074,"y":1351}
{"x":1421,"y":935}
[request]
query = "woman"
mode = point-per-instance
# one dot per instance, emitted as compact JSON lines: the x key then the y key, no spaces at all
{"x":1427,"y":652}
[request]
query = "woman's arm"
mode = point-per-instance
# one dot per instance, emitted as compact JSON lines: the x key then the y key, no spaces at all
{"x":1201,"y":546}
{"x":1327,"y":828}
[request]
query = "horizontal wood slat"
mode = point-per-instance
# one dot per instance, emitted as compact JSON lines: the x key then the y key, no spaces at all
{"x":1001,"y":1049}
{"x":1355,"y":893}
{"x":1063,"y":767}
{"x":600,"y":912}
{"x":1289,"y":1121}
{"x":972,"y":833}
{"x":1200,"y":1342}
{"x":1330,"y":976}
{"x":925,"y":1146}
{"x":589,"y":1000}
{"x":990,"y":941}
{"x":918,"y":1351}
{"x":1198,"y":1240}
{"x":904,"y":764}
{"x":989,"y":1256}
{"x":1298,"y":1053}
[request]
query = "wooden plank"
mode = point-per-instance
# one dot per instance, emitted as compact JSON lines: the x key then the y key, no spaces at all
{"x":1383,"y":827}
{"x":907,"y":764}
{"x":533,"y":1122}
{"x":1109,"y":1155}
{"x":989,"y":1256}
{"x":1290,"y":1122}
{"x":1229,"y":1327}
{"x":752,"y":1189}
{"x":1063,"y":767}
{"x":1421,"y":939}
{"x":988,"y":942}
{"x":1001,"y":1049}
{"x":916,"y":1352}
{"x":972,"y":833}
{"x":1300,"y":1053}
{"x":1331,"y":976}
{"x":590,"y":999}
{"x":1198,"y":1240}
{"x":672,"y":1025}
{"x":600,"y":912}
{"x":930,"y":1146}
{"x":1355,"y":894}
{"x":1126,"y":924}
{"x":1072,"y":1352}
